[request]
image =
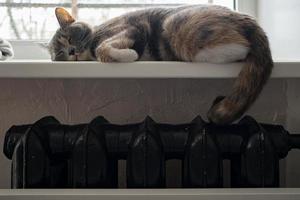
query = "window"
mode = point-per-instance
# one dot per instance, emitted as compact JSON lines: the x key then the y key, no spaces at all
{"x":35,"y":19}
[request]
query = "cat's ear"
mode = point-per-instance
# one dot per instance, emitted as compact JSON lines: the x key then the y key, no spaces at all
{"x":64,"y":18}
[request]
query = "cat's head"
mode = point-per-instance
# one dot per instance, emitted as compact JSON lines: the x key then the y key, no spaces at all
{"x":72,"y":40}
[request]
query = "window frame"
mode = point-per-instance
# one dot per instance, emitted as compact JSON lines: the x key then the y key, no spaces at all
{"x":247,"y":6}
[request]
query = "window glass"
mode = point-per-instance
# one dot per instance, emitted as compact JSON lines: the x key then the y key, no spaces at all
{"x":35,"y":19}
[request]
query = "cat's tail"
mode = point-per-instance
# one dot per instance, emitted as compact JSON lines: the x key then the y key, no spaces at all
{"x":250,"y":81}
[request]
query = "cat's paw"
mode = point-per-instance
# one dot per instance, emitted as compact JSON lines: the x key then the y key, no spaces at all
{"x":116,"y":55}
{"x":102,"y":55}
{"x":124,"y":55}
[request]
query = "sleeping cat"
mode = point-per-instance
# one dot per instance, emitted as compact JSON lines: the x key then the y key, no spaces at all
{"x":198,"y":33}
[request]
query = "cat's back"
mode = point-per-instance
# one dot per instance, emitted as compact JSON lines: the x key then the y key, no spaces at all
{"x":161,"y":14}
{"x":158,"y":14}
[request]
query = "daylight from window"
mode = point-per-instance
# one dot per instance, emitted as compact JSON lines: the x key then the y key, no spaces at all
{"x":35,"y":19}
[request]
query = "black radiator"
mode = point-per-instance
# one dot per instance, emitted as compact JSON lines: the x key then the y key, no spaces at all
{"x":47,"y":154}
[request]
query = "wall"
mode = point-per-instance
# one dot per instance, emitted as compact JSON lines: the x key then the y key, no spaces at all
{"x":122,"y":101}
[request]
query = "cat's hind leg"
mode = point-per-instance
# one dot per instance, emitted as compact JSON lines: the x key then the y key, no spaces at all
{"x":224,"y":53}
{"x":117,"y":49}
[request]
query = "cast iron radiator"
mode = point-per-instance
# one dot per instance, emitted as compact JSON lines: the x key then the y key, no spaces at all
{"x":47,"y":154}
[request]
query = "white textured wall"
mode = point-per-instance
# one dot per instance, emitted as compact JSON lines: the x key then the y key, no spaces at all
{"x":121,"y":101}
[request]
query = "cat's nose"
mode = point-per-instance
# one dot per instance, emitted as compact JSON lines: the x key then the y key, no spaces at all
{"x":71,"y":51}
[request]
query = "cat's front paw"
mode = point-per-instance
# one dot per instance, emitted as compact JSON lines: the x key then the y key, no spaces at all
{"x":102,"y":55}
{"x":124,"y":55}
{"x":116,"y":55}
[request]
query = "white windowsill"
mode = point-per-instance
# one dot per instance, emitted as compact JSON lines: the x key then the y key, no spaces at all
{"x":146,"y":194}
{"x":49,"y":69}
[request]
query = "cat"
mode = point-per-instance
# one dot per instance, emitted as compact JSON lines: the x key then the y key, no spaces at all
{"x":197,"y":33}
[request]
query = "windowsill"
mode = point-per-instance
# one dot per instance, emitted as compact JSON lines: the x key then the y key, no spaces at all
{"x":49,"y":69}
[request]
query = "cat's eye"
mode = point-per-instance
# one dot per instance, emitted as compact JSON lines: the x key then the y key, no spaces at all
{"x":59,"y":56}
{"x":59,"y":53}
{"x":70,"y":40}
